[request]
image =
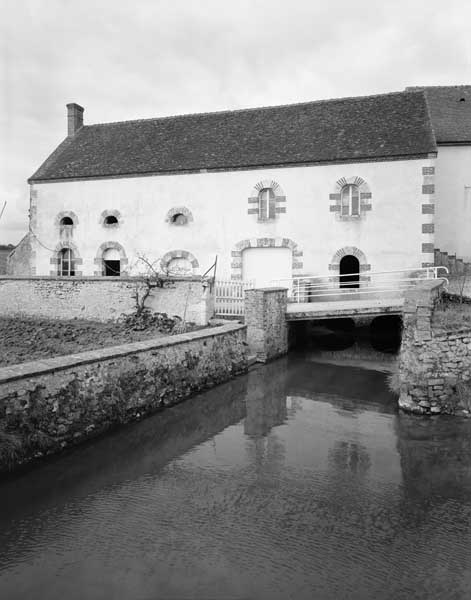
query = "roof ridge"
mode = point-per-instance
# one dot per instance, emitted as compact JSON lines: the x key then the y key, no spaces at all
{"x":434,"y":87}
{"x":250,"y":109}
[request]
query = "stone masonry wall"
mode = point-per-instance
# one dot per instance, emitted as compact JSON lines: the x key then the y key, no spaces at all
{"x":431,"y":366}
{"x":101,"y":298}
{"x":265,"y":317}
{"x":47,"y":405}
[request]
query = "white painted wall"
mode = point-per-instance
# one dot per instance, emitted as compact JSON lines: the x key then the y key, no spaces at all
{"x":453,"y":205}
{"x":389,"y":235}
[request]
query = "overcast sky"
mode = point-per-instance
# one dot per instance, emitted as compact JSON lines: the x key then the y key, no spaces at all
{"x":123,"y":59}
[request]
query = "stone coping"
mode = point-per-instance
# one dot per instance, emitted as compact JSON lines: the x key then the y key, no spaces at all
{"x":58,"y":363}
{"x":101,"y":278}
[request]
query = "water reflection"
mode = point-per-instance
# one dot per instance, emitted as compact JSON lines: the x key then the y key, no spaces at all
{"x":299,"y":480}
{"x":266,"y":404}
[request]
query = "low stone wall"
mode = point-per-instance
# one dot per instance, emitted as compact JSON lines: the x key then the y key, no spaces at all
{"x":265,"y":317}
{"x":47,"y":405}
{"x":432,"y":366}
{"x":102,"y":298}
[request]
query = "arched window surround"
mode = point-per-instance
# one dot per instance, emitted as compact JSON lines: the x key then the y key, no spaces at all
{"x":169,"y":256}
{"x":351,"y":198}
{"x":111,"y":213}
{"x":57,"y":259}
{"x":236,"y":254}
{"x":350,"y":251}
{"x":267,"y":200}
{"x":98,"y":260}
{"x":173,"y":214}
{"x":66,"y":214}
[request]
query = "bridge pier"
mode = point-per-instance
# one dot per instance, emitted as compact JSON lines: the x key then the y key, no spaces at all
{"x":265,"y":317}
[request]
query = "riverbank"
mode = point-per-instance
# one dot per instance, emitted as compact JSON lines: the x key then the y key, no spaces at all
{"x":27,"y":339}
{"x":49,"y":404}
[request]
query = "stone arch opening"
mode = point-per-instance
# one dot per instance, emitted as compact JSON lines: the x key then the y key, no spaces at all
{"x":65,"y":260}
{"x":110,"y":218}
{"x":179,"y":263}
{"x":364,"y":266}
{"x":179,"y":215}
{"x":237,"y":264}
{"x":349,"y":272}
{"x":111,"y":263}
{"x":110,"y":258}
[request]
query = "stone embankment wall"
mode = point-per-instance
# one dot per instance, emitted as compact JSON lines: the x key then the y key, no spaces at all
{"x":47,"y":405}
{"x":265,"y":317}
{"x":102,"y":298}
{"x":433,"y":366}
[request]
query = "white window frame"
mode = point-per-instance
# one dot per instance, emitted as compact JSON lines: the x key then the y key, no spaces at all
{"x":266,"y":204}
{"x":351,"y":187}
{"x":70,"y":271}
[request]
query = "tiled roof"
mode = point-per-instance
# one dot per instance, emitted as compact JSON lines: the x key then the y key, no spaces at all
{"x":450,"y":110}
{"x":382,"y":127}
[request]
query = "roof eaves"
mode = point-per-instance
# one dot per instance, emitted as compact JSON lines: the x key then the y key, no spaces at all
{"x":251,"y":167}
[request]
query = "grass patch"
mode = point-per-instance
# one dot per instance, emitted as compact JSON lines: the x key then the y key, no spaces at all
{"x":451,"y":315}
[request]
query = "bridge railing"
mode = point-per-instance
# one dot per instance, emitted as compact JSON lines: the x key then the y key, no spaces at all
{"x":357,"y":286}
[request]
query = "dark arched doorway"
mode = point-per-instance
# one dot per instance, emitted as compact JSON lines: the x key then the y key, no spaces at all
{"x":349,"y":272}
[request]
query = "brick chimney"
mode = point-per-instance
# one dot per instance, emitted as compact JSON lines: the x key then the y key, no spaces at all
{"x":74,"y":118}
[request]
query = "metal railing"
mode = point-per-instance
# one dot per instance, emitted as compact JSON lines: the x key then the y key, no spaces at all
{"x":229,"y":297}
{"x":356,"y":286}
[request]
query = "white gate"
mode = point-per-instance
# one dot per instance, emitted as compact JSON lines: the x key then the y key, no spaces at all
{"x":229,"y":297}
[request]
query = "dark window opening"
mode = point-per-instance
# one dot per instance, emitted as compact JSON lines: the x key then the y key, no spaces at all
{"x":112,"y":268}
{"x":66,"y":263}
{"x":66,"y":221}
{"x":349,"y":272}
{"x":111,"y":220}
{"x":179,"y":219}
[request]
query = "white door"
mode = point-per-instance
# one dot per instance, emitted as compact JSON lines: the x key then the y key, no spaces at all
{"x":263,"y":265}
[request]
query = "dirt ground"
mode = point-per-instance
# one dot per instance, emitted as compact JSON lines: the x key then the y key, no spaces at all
{"x":22,"y":340}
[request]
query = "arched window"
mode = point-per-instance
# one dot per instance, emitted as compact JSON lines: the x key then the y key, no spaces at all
{"x":66,"y":221}
{"x":110,"y":220}
{"x":266,"y":204}
{"x":179,"y":219}
{"x":111,"y":263}
{"x":179,"y":266}
{"x":65,"y":266}
{"x":350,"y":201}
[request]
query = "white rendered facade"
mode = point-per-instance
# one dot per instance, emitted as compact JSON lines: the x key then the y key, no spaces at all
{"x":392,"y":230}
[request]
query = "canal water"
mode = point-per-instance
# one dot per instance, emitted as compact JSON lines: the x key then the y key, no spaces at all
{"x":299,"y":480}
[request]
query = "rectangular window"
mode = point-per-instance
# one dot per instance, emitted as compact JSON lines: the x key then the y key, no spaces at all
{"x":266,"y":205}
{"x":467,"y":193}
{"x":350,"y":201}
{"x":262,"y":207}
